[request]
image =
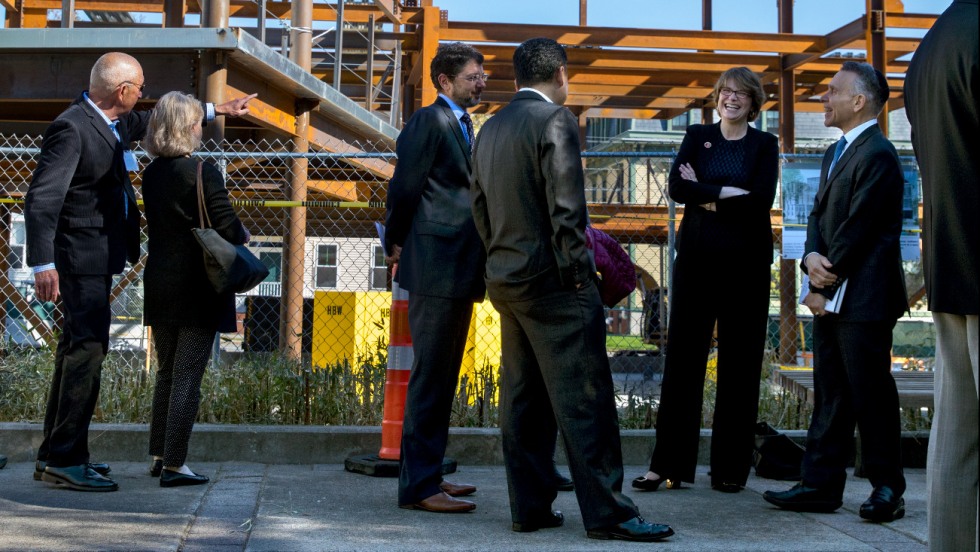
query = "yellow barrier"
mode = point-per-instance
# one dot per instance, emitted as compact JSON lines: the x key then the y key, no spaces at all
{"x":348,"y":325}
{"x":482,"y":343}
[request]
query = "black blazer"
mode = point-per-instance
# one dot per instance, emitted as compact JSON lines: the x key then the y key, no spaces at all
{"x":176,"y":289}
{"x":740,"y":229}
{"x":529,"y":200}
{"x":941,"y":90}
{"x":428,"y":209}
{"x":74,"y":210}
{"x":856,"y":223}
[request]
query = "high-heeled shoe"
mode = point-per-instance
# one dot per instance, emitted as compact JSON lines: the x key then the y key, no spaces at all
{"x":643,"y":484}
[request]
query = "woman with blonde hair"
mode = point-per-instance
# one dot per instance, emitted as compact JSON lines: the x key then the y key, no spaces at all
{"x":725,"y":175}
{"x":180,"y":305}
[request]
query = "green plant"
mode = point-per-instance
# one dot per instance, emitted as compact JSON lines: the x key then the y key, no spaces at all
{"x":476,"y":399}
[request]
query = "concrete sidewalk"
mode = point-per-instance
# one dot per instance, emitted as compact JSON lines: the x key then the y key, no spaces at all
{"x":304,"y":507}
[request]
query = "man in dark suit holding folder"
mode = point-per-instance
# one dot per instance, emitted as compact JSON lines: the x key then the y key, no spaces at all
{"x":853,"y":235}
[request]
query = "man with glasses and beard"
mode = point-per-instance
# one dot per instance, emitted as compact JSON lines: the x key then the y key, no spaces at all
{"x":430,"y":234}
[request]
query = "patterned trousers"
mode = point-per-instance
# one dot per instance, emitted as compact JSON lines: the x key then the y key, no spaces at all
{"x":182,"y":356}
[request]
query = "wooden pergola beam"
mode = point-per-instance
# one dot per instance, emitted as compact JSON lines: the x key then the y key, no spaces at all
{"x":481,"y":32}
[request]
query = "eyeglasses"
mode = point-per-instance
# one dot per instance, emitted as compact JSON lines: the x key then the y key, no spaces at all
{"x":478,"y":77}
{"x":728,"y":92}
{"x":141,"y":87}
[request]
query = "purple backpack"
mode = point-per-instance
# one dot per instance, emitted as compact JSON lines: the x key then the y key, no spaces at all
{"x":614,"y":265}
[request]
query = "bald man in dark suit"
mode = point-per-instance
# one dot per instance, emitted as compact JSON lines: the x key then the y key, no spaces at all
{"x":83,"y":224}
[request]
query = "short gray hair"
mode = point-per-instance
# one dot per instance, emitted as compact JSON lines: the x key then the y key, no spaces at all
{"x":869,"y":83}
{"x":110,"y":71}
{"x":170,"y":131}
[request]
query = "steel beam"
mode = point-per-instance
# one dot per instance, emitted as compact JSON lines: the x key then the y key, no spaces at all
{"x":875,"y":37}
{"x":787,"y":267}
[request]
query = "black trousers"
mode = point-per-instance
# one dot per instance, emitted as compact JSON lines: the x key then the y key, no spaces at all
{"x":555,"y":370}
{"x":739,"y":301}
{"x":853,"y":384}
{"x":182,"y":356}
{"x":77,"y":375}
{"x":439,"y":327}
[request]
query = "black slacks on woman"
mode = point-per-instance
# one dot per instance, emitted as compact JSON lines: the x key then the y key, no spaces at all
{"x":706,"y":288}
{"x":182,"y":356}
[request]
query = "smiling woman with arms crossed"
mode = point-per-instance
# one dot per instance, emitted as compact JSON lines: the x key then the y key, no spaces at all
{"x":725,"y":174}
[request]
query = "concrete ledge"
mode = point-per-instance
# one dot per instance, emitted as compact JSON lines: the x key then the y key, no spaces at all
{"x":333,"y":444}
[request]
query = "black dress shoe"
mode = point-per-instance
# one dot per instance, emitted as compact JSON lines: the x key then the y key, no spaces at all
{"x":170,"y":478}
{"x":100,"y":468}
{"x":3,"y":461}
{"x":804,"y":499}
{"x":563,"y":483}
{"x":156,"y":467}
{"x":633,"y":530}
{"x":883,"y":505}
{"x":543,"y":521}
{"x":727,"y":487}
{"x":79,"y":478}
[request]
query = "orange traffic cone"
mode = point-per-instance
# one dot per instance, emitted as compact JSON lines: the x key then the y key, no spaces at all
{"x":400,"y":358}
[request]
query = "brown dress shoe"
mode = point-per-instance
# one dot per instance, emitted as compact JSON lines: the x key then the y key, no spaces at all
{"x":453,"y":489}
{"x":443,"y":504}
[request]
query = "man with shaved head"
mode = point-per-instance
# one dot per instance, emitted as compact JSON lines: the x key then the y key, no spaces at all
{"x":83,"y":223}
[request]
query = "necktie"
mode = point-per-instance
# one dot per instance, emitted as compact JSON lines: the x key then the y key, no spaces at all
{"x":841,"y":144}
{"x":112,"y":127}
{"x":468,"y":123}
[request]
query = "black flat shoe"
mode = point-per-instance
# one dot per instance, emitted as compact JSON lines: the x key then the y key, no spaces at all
{"x":544,"y":521}
{"x":100,"y":468}
{"x":643,"y":484}
{"x":176,"y":479}
{"x":156,"y":467}
{"x":632,"y":530}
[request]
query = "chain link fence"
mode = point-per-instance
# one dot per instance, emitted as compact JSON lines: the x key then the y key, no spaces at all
{"x":345,"y":314}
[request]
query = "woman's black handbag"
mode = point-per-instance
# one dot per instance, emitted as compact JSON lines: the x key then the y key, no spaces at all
{"x":229,"y":267}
